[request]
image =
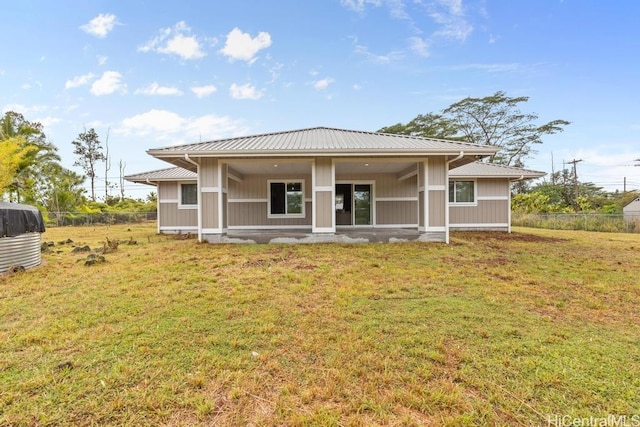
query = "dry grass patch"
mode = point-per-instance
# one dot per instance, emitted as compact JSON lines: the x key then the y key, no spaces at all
{"x":492,"y":329}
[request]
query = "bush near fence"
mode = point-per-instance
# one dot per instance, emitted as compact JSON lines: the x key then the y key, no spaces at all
{"x":55,"y":219}
{"x":613,"y":223}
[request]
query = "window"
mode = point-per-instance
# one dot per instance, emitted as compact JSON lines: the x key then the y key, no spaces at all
{"x":286,"y":198}
{"x":462,"y":192}
{"x":188,"y":195}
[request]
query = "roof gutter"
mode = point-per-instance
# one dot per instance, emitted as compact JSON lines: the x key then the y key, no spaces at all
{"x":199,"y":197}
{"x":461,"y":155}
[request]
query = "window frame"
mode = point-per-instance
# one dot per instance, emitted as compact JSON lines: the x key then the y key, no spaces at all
{"x":455,"y":202}
{"x":286,"y":182}
{"x":180,"y":194}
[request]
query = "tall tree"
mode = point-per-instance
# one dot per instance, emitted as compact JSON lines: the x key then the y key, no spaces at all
{"x":121,"y":166}
{"x":62,"y":192}
{"x":89,"y":152}
{"x":497,"y":120}
{"x":428,"y":125}
{"x":493,"y":120}
{"x":13,"y":153}
{"x":41,"y":153}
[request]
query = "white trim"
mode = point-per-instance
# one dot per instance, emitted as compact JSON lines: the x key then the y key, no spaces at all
{"x":427,"y":229}
{"x":323,"y":230}
{"x":247,"y":200}
{"x":396,"y":199}
{"x":493,"y":197}
{"x":353,"y":182}
{"x":220,"y":195}
{"x":178,"y":228}
{"x":481,"y":225}
{"x":210,"y":189}
{"x":323,"y":188}
{"x":357,"y":227}
{"x":475,"y":191}
{"x":158,"y":210}
{"x":436,"y":187}
{"x":509,"y":208}
{"x":286,"y":181}
{"x":270,"y":227}
{"x":168,"y":201}
{"x":212,"y":230}
{"x":189,"y":206}
{"x":463,"y":205}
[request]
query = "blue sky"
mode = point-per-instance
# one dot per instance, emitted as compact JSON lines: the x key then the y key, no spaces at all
{"x":157,"y":73}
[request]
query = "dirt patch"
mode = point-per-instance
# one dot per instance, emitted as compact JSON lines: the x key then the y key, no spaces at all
{"x":500,"y":236}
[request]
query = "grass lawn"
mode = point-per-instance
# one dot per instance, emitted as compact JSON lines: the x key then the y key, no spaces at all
{"x":493,"y":329}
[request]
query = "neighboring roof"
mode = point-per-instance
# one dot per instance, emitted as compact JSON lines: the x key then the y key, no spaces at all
{"x":319,"y":141}
{"x":168,"y":174}
{"x":633,"y":205}
{"x":491,"y":170}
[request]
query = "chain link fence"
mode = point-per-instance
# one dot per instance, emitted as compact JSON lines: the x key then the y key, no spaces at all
{"x":58,"y":219}
{"x":614,"y":223}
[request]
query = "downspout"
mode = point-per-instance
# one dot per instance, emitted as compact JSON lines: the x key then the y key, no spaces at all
{"x":446,"y":196}
{"x":509,"y":207}
{"x":197,"y":165}
{"x":157,"y":202}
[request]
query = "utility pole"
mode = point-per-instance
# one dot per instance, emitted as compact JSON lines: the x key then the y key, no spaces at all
{"x":575,"y":177}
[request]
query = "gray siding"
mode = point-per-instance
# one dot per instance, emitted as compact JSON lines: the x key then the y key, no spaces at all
{"x":171,"y":218}
{"x":255,"y":214}
{"x":400,"y":212}
{"x":487,"y":212}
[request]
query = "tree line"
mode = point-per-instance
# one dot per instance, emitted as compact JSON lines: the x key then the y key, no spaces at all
{"x":30,"y":169}
{"x":498,"y":120}
{"x":31,"y":172}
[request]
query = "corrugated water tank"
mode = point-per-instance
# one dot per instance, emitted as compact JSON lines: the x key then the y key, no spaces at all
{"x":20,"y":228}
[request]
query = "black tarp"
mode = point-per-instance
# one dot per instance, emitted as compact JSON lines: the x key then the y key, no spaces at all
{"x":16,"y":219}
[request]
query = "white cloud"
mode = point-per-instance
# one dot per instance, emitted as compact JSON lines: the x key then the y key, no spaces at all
{"x":356,"y":86}
{"x":203,"y":91}
{"x":155,"y":89}
{"x":246,"y":91}
{"x":175,"y":41}
{"x":26,"y":86}
{"x":21,"y":108}
{"x":79,"y":81}
{"x":101,"y":59}
{"x":359,"y":5}
{"x":110,"y":82}
{"x":322,"y":83}
{"x":241,"y":46}
{"x":490,"y":68}
{"x":379,"y":58}
{"x":419,"y":46}
{"x":313,"y":73}
{"x":167,"y":125}
{"x":101,"y":25}
{"x":450,"y":14}
{"x":47,"y":121}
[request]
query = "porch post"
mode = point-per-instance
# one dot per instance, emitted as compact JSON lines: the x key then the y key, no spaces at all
{"x":323,"y":183}
{"x":423,"y":199}
{"x":212,"y":199}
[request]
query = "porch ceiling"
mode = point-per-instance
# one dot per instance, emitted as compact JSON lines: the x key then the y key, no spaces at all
{"x":281,"y":166}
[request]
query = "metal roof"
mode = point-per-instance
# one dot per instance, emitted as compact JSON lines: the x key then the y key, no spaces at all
{"x":323,"y":141}
{"x":491,"y":170}
{"x":168,"y":174}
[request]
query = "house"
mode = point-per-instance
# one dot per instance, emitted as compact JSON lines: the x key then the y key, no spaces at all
{"x":480,"y":195}
{"x":632,"y":210}
{"x":323,"y":180}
